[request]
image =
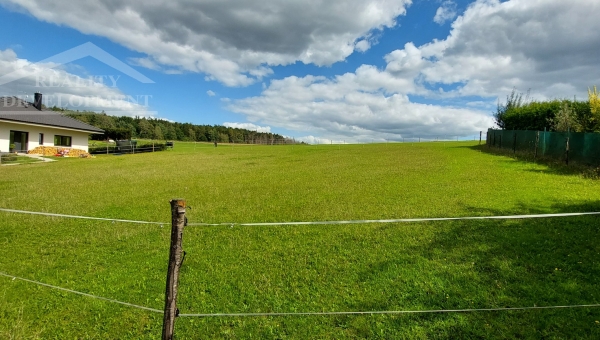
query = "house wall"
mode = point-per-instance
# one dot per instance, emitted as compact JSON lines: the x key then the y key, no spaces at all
{"x":79,"y":140}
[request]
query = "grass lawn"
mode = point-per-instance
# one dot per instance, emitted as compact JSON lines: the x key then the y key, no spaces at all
{"x":362,"y":267}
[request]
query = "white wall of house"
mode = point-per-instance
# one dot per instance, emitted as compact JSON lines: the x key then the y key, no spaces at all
{"x":79,"y":139}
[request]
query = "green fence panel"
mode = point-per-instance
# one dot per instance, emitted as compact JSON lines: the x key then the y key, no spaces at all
{"x":525,"y":141}
{"x":591,"y":150}
{"x":577,"y":147}
{"x":556,"y":145}
{"x":583,"y":147}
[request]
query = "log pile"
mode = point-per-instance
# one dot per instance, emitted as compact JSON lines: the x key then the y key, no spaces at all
{"x":78,"y":153}
{"x":63,"y":152}
{"x":44,"y":151}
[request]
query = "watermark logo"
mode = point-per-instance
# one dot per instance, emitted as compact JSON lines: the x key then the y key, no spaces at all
{"x":85,"y":50}
{"x":95,"y":92}
{"x":70,"y":80}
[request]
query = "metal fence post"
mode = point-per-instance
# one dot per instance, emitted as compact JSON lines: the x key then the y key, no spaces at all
{"x":537,"y":143}
{"x":544,"y":148}
{"x":567,"y":151}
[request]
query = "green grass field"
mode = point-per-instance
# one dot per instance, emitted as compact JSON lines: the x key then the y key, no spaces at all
{"x":361,"y":267}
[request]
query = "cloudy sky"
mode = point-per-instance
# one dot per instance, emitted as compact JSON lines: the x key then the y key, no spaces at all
{"x":353,"y":70}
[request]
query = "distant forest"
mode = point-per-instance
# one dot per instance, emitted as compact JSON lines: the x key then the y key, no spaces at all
{"x":120,"y":128}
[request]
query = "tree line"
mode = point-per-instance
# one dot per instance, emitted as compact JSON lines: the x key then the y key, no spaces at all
{"x":562,"y":115}
{"x":120,"y":128}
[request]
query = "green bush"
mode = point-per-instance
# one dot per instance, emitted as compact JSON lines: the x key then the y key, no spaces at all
{"x":9,"y":158}
{"x":521,"y":114}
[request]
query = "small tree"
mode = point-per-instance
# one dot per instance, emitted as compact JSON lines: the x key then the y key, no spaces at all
{"x":594,"y":108}
{"x":513,"y":101}
{"x":565,"y":119}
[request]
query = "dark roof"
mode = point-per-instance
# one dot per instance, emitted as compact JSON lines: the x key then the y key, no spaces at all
{"x":20,"y":111}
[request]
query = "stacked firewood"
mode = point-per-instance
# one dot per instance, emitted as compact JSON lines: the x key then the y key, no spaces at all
{"x":78,"y":153}
{"x":62,"y":152}
{"x":44,"y":151}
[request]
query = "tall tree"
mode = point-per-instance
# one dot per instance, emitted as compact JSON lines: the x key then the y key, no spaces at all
{"x":157,"y":133}
{"x":145,"y":128}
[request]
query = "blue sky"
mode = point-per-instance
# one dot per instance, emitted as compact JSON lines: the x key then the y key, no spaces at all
{"x":320,"y":72}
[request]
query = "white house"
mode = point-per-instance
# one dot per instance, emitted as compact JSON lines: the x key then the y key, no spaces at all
{"x":25,"y":126}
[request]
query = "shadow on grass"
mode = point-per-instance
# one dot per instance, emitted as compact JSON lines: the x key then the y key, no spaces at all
{"x":554,"y":166}
{"x":522,"y":208}
{"x":499,"y":264}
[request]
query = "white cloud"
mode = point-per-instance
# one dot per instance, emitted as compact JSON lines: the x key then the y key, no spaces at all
{"x":232,"y":41}
{"x":66,"y":90}
{"x":547,"y":46}
{"x":248,"y":126}
{"x":493,"y":47}
{"x":145,"y":62}
{"x":445,"y":13}
{"x":351,"y":108}
{"x":211,"y":93}
{"x":363,"y":45}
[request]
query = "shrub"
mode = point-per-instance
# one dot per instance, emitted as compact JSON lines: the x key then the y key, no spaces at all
{"x":521,"y":114}
{"x":565,"y":119}
{"x":594,"y":103}
{"x":8,"y":158}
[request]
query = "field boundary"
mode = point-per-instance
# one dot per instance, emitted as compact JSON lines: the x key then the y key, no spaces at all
{"x":76,"y":216}
{"x":259,"y":224}
{"x":80,"y":293}
{"x":205,"y":315}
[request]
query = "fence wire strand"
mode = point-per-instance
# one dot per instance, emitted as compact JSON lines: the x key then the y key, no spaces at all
{"x":259,"y":224}
{"x":79,"y":217}
{"x":430,"y":311}
{"x":400,"y":220}
{"x":205,"y":315}
{"x":80,"y":293}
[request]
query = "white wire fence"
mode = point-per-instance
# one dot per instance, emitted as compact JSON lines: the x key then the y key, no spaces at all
{"x":205,"y":315}
{"x":258,"y":224}
{"x":309,"y":313}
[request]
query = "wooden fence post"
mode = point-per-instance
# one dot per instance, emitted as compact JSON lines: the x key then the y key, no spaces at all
{"x":175,"y":259}
{"x":480,"y":133}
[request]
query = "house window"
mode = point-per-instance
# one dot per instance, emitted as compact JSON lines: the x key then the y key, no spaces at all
{"x":19,"y":141}
{"x":62,"y":140}
{"x":41,"y":141}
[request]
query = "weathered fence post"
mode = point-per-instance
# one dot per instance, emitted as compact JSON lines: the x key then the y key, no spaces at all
{"x":480,"y":133}
{"x":175,"y":259}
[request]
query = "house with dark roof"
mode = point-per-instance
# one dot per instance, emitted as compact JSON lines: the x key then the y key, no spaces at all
{"x":25,"y":126}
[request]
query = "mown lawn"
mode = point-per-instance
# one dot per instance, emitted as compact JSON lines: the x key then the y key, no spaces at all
{"x":363,"y":267}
